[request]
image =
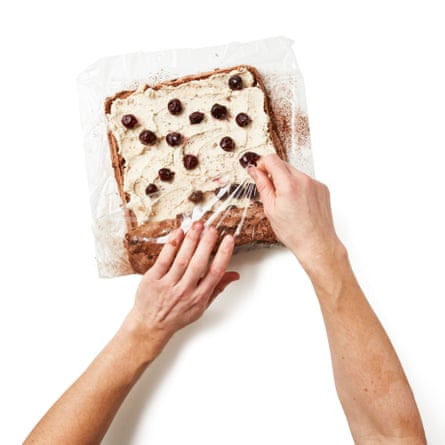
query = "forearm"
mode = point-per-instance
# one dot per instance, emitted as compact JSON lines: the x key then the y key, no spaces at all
{"x":173,"y":293}
{"x":84,"y":412}
{"x":370,"y":381}
{"x":372,"y":387}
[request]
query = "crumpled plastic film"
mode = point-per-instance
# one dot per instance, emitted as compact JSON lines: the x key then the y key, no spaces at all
{"x":277,"y":65}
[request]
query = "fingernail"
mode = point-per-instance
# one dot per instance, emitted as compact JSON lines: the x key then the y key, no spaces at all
{"x":227,"y":240}
{"x":197,"y":225}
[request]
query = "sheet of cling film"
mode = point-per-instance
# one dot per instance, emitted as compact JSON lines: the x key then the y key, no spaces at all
{"x":169,"y":137}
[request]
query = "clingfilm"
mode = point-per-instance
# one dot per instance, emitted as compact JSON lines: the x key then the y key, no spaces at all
{"x":275,"y":61}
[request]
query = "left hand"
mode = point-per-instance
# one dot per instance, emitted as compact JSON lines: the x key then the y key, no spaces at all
{"x":183,"y":282}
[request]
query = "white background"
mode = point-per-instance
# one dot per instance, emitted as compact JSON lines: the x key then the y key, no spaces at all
{"x":256,"y":368}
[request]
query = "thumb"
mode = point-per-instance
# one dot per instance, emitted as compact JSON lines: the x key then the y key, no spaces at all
{"x":264,"y":185}
{"x":228,"y":278}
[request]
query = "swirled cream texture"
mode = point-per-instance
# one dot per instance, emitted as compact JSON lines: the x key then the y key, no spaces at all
{"x":216,"y":167}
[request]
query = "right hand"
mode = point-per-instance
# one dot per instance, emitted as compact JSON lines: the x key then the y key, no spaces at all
{"x":299,"y":210}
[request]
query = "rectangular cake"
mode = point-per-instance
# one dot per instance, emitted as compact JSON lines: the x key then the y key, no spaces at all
{"x":179,"y":152}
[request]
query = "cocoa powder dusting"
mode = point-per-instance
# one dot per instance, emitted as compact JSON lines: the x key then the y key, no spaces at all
{"x":292,"y":124}
{"x":302,"y":128}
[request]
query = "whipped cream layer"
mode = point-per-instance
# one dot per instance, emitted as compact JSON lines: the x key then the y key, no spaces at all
{"x":216,"y":167}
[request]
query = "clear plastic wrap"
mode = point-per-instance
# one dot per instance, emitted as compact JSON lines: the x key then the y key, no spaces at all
{"x":283,"y":83}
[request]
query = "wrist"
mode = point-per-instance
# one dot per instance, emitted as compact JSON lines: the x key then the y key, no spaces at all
{"x":328,"y":270}
{"x":147,"y":341}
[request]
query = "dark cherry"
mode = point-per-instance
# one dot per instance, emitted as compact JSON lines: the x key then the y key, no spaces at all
{"x":219,"y":111}
{"x":249,"y":158}
{"x":242,"y":119}
{"x":129,"y":121}
{"x":165,"y":174}
{"x":196,"y":196}
{"x":235,"y":82}
{"x":147,"y":137}
{"x":227,"y":143}
{"x":196,"y":117}
{"x":151,"y":189}
{"x":190,"y":162}
{"x":175,"y":106}
{"x":222,"y":196}
{"x":237,"y":191}
{"x":174,"y":139}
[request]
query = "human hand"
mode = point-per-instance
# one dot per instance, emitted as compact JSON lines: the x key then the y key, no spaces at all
{"x":299,"y":210}
{"x":182,"y":283}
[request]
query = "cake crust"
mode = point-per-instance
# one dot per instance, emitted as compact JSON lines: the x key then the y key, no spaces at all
{"x":142,"y":241}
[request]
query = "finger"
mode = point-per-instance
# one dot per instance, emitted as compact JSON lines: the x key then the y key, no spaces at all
{"x":229,"y":277}
{"x":167,"y":254}
{"x":278,"y":170}
{"x":186,"y":251}
{"x":218,"y":266}
{"x":200,"y":262}
{"x":263,"y":184}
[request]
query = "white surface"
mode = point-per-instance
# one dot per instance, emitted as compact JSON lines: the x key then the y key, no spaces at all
{"x":256,"y":368}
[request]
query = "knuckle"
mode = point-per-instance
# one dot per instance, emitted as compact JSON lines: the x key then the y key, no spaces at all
{"x":195,"y":269}
{"x":182,"y":262}
{"x":306,"y":181}
{"x":216,"y":272}
{"x":326,"y":190}
{"x":273,"y":159}
{"x":322,"y":190}
{"x":163,"y":263}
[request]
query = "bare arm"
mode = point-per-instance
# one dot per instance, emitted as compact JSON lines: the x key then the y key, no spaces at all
{"x":173,"y":293}
{"x":371,"y":385}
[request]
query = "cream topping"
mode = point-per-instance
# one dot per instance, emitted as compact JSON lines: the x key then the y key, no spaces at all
{"x":216,"y":167}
